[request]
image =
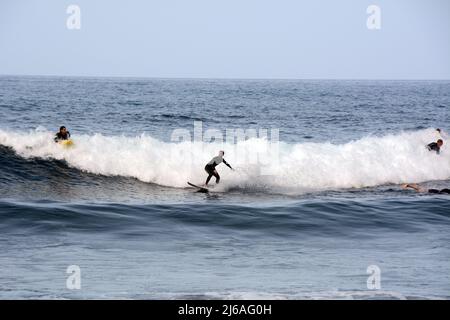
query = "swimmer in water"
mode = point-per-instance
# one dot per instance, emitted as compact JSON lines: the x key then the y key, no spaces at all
{"x":418,"y":188}
{"x":63,"y":134}
{"x":435,"y":146}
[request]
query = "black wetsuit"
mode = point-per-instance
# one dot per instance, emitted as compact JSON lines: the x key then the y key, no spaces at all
{"x":434,"y":147}
{"x":210,"y":168}
{"x":60,"y":136}
{"x":443,"y":191}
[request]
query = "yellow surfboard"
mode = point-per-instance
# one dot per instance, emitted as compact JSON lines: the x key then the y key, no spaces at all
{"x":66,"y":143}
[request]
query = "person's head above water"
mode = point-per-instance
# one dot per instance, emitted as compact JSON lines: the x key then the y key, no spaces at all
{"x":62,"y":129}
{"x":221,"y":153}
{"x":440,"y":142}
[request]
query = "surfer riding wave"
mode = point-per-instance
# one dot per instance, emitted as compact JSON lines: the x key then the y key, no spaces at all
{"x":210,"y":167}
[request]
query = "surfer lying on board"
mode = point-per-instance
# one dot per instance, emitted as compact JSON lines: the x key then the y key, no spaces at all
{"x":63,"y":134}
{"x":210,"y":167}
{"x":420,"y":189}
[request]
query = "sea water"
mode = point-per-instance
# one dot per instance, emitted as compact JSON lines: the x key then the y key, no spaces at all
{"x":322,"y":215}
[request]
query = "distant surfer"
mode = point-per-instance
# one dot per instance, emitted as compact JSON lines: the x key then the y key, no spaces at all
{"x":210,"y":167}
{"x":436,"y":146}
{"x":416,"y":187}
{"x":62,"y":135}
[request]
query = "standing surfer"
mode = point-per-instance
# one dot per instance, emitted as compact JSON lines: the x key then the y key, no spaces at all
{"x":210,"y":167}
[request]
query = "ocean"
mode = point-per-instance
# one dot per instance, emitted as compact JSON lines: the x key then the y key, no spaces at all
{"x":314,"y":209}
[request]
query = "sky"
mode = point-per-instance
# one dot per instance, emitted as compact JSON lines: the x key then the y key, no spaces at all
{"x":283,"y":39}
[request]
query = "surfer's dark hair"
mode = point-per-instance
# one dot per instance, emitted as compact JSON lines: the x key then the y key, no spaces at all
{"x":440,"y":140}
{"x":62,"y":127}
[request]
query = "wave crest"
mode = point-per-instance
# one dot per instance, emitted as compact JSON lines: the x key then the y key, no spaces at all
{"x":301,"y":167}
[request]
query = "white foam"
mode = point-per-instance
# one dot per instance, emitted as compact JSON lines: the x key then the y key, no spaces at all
{"x":369,"y":161}
{"x":319,"y":295}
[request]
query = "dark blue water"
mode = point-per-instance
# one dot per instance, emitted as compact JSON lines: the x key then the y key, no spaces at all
{"x":117,"y":204}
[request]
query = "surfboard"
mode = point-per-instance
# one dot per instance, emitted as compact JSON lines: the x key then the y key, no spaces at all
{"x":200,"y":189}
{"x":66,"y":143}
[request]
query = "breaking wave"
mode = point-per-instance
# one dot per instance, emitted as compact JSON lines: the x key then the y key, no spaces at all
{"x":367,"y":162}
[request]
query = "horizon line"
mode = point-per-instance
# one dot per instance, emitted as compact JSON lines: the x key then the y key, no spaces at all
{"x":219,"y":78}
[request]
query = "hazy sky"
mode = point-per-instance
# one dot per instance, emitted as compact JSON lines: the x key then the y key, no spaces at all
{"x":227,"y":39}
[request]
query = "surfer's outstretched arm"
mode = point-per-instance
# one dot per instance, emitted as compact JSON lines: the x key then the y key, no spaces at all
{"x":228,"y":165}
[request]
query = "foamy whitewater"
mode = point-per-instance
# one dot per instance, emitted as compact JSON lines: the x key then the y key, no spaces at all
{"x":308,"y":216}
{"x":367,"y":162}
